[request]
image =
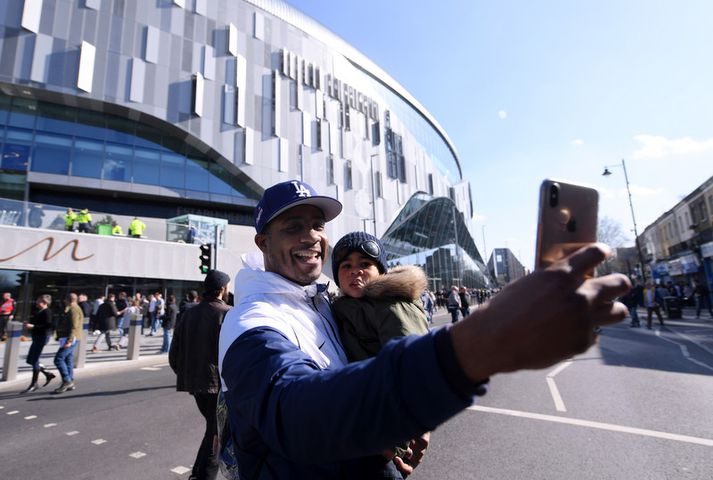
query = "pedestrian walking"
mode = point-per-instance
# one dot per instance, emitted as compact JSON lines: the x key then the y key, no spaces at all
{"x":464,"y":301}
{"x":453,"y":304}
{"x":652,"y":301}
{"x":194,"y":357}
{"x":106,"y":322}
{"x":69,"y":329}
{"x":41,"y":329}
{"x":168,"y":322}
{"x":7,"y":313}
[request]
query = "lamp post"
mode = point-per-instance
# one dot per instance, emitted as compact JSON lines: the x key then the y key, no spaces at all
{"x":606,"y":173}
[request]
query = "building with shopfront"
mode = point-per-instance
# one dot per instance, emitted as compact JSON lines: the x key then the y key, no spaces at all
{"x":164,"y":109}
{"x":678,"y":246}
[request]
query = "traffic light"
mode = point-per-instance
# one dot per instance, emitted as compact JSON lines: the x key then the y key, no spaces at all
{"x":206,"y":257}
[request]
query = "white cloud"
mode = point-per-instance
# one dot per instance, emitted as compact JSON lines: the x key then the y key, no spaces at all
{"x":577,"y":142}
{"x":656,"y":146}
{"x":502,"y":114}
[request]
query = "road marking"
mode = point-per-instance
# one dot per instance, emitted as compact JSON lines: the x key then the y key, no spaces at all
{"x":684,"y":349}
{"x":554,"y":391}
{"x":1,"y":407}
{"x":98,"y":441}
{"x":180,"y":470}
{"x":150,"y":369}
{"x":48,"y":425}
{"x":73,"y":432}
{"x":598,"y":425}
{"x":137,"y":454}
{"x":162,"y":365}
{"x":30,"y":417}
{"x":13,"y":412}
{"x":698,"y":344}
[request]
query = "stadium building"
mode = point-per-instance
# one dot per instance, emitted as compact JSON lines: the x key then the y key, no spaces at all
{"x":181,"y":113}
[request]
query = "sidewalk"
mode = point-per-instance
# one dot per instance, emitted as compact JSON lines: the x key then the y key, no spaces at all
{"x":150,"y":346}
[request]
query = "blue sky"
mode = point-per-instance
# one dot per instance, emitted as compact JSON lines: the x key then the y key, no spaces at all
{"x":553,"y":88}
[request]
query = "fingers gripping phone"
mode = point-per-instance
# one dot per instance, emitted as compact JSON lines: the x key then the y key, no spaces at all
{"x":567,"y":220}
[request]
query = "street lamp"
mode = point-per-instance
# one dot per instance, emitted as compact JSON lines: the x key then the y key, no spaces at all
{"x":606,"y":173}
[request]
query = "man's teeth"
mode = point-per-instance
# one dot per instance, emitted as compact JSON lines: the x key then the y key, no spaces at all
{"x":307,"y":254}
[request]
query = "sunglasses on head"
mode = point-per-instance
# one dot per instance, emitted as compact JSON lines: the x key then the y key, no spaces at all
{"x":369,"y":248}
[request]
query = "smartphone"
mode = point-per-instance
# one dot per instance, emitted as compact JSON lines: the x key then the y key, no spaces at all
{"x":567,"y":220}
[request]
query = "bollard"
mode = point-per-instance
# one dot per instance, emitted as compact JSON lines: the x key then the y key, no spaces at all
{"x":80,"y":352}
{"x":12,"y":351}
{"x":133,"y":350}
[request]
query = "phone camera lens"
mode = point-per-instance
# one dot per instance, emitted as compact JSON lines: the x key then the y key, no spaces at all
{"x":554,"y":194}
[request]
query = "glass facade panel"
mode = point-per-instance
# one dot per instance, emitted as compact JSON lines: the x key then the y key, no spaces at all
{"x":88,"y":158}
{"x":197,"y":175}
{"x":117,"y":163}
{"x":64,"y":140}
{"x":147,"y":165}
{"x":51,"y":154}
{"x":431,"y":233}
{"x":15,"y":157}
{"x":56,"y":119}
{"x":173,"y":169}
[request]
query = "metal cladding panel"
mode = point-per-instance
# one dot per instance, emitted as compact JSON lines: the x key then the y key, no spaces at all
{"x":40,"y":58}
{"x":138,"y":75}
{"x":232,"y":39}
{"x":85,"y":76}
{"x":31,"y":15}
{"x":151,"y":51}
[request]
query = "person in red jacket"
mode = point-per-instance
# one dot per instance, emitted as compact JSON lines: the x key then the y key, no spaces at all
{"x":7,"y":313}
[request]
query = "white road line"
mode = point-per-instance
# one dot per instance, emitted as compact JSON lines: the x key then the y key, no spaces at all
{"x":556,"y":397}
{"x":30,"y":417}
{"x":73,"y":432}
{"x":559,"y":368}
{"x":180,"y":470}
{"x":98,"y":441}
{"x":700,"y":364}
{"x":48,"y":425}
{"x":151,"y":369}
{"x":698,"y":344}
{"x":684,"y":349}
{"x":137,"y":454}
{"x":598,"y":425}
{"x":162,"y":364}
{"x":559,"y":404}
{"x":13,"y":412}
{"x":1,"y":407}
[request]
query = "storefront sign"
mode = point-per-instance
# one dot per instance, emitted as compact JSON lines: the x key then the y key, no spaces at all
{"x":707,"y":250}
{"x":44,"y":250}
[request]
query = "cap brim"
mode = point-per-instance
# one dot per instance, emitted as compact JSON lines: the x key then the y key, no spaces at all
{"x":329,"y":206}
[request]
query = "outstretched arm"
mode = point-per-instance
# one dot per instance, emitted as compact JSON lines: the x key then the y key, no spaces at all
{"x":541,"y":319}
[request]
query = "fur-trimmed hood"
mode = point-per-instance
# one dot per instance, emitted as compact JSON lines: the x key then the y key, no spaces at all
{"x":405,"y":282}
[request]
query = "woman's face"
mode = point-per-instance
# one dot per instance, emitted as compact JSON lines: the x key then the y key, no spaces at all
{"x":354,"y":272}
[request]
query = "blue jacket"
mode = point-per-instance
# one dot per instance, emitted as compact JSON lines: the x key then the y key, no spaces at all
{"x":295,"y":415}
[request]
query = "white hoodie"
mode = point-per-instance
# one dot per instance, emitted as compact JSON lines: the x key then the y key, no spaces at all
{"x":302,"y":314}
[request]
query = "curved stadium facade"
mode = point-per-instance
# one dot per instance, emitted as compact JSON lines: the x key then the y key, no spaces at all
{"x":169,"y":108}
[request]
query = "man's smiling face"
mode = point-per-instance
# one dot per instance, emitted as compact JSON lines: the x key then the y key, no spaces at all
{"x":294,"y":244}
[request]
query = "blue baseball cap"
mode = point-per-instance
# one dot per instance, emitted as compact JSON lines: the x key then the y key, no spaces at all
{"x":285,"y":195}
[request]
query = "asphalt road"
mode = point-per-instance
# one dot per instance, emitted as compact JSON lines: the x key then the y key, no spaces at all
{"x":637,"y":406}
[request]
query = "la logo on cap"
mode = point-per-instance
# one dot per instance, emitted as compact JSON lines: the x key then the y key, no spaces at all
{"x":301,"y":190}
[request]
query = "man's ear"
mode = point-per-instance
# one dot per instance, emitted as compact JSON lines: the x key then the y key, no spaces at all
{"x":260,"y":241}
